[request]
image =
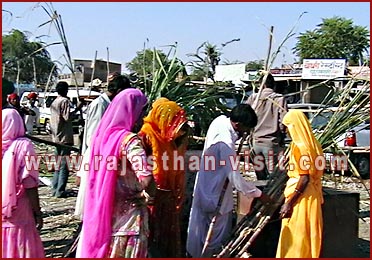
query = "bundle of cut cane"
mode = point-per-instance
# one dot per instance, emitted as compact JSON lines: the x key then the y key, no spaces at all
{"x":252,"y":224}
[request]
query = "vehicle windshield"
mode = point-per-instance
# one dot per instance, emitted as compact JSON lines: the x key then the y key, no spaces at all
{"x":320,"y":120}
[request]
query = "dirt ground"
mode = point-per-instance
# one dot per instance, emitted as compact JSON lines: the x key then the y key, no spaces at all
{"x":60,"y":225}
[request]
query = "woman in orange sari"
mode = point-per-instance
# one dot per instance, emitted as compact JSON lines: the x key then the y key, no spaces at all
{"x":165,"y":132}
{"x":302,"y":222}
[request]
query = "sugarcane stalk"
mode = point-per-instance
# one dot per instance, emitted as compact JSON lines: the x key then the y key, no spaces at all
{"x":239,"y":234}
{"x":261,"y":225}
{"x":38,"y":140}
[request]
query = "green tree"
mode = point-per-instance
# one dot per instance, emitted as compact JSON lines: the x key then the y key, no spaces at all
{"x":255,"y":65}
{"x":205,"y":62}
{"x":16,"y":48}
{"x":335,"y":37}
{"x":143,"y":63}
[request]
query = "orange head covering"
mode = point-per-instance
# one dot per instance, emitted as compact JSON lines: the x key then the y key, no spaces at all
{"x":161,"y":127}
{"x":302,"y":136}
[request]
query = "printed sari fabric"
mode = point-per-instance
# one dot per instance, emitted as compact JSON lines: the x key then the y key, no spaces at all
{"x":162,"y":127}
{"x":130,"y":216}
{"x":20,"y":238}
{"x":114,"y":222}
{"x":301,"y":234}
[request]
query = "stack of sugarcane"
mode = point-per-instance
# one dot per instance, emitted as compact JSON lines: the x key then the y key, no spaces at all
{"x":252,"y":224}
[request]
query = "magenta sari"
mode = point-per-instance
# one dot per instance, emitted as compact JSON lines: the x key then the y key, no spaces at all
{"x":20,"y":238}
{"x":117,"y":122}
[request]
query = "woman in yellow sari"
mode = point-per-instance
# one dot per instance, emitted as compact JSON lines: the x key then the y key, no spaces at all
{"x":302,"y":222}
{"x":165,"y":133}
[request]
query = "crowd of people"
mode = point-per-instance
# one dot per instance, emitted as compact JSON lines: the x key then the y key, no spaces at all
{"x":130,"y":202}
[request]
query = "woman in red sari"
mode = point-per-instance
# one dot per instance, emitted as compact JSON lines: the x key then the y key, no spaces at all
{"x":165,"y":132}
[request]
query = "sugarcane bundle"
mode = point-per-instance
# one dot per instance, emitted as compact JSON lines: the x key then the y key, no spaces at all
{"x":252,"y":224}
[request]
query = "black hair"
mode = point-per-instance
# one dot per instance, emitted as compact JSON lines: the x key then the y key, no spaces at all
{"x":270,"y":82}
{"x":244,"y":114}
{"x":118,"y":83}
{"x":62,"y":88}
{"x":7,"y":88}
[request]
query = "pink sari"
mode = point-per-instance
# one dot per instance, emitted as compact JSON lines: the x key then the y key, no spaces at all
{"x":20,"y":237}
{"x":117,"y":122}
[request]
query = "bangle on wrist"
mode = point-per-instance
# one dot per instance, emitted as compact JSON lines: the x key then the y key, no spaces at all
{"x":298,"y":191}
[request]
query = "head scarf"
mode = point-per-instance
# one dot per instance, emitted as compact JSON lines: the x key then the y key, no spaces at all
{"x":14,"y":150}
{"x":32,"y":95}
{"x":117,"y":122}
{"x":303,"y":139}
{"x":13,"y":96}
{"x":161,"y":127}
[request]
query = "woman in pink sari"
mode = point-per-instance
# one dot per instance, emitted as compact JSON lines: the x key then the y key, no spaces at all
{"x":21,"y":216}
{"x":115,"y":222}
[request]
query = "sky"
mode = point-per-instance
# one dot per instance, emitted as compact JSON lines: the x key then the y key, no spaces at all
{"x":124,"y":28}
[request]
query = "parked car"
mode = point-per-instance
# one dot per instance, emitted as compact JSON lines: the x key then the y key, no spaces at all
{"x":72,"y":94}
{"x":355,"y":142}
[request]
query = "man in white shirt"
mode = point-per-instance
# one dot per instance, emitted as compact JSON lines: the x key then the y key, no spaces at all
{"x":95,"y":111}
{"x":219,"y":146}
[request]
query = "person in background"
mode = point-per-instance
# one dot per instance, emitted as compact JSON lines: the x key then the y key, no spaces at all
{"x":165,"y":133}
{"x":269,"y":133}
{"x":94,"y":113}
{"x":7,"y":89}
{"x":301,"y":213}
{"x":31,"y":120}
{"x":62,"y":133}
{"x":21,"y":215}
{"x":115,"y":220}
{"x":97,"y":108}
{"x":220,"y":146}
{"x":14,"y":102}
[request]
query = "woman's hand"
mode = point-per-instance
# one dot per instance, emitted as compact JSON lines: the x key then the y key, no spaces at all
{"x":286,"y":210}
{"x":149,"y":200}
{"x":38,"y":220}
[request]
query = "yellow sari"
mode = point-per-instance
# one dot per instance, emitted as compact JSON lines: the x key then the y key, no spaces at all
{"x":161,"y":128}
{"x":301,"y":234}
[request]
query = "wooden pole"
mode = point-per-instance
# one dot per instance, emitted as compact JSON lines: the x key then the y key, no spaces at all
{"x":108,"y":62}
{"x":267,"y":69}
{"x":38,"y":140}
{"x":18,"y":72}
{"x":92,"y":76}
{"x":33,"y":64}
{"x":269,"y":50}
{"x":216,"y":213}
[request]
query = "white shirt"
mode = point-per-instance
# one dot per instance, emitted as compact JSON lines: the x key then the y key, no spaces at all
{"x":220,"y":145}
